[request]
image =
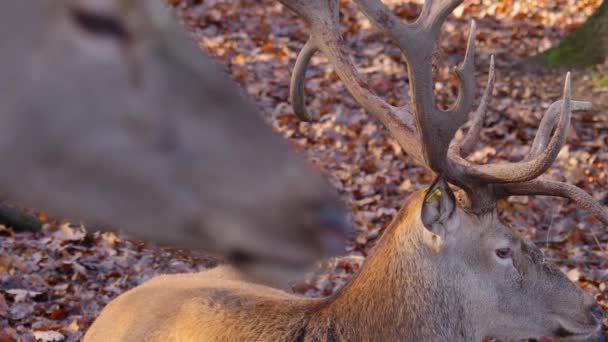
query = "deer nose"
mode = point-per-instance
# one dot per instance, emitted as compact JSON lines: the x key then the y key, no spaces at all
{"x":334,"y":229}
{"x":597,"y":312}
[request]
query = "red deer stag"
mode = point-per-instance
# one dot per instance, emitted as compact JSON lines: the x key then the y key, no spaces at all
{"x":114,"y":116}
{"x":444,"y":270}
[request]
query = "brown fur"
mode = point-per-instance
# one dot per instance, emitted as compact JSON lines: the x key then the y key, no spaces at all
{"x":415,"y":286}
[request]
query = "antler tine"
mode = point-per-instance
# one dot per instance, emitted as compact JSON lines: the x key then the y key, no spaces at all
{"x":466,"y":146}
{"x":296,"y":88}
{"x":543,"y":187}
{"x":527,"y":169}
{"x":466,"y":89}
{"x":385,"y":20}
{"x":547,"y":125}
{"x":435,"y":12}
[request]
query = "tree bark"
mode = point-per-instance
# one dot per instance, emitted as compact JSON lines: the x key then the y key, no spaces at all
{"x":586,"y":46}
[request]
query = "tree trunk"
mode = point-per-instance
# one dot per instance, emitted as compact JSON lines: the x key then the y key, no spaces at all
{"x":586,"y":46}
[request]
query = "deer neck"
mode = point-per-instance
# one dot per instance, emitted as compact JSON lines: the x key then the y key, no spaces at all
{"x":401,"y":293}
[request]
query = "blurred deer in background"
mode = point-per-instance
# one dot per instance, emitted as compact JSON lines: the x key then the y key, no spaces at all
{"x":110,"y":113}
{"x":444,"y":270}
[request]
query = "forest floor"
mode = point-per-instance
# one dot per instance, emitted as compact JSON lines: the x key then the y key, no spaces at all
{"x":61,"y":278}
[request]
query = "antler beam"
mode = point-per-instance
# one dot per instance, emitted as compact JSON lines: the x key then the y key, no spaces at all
{"x":542,"y":187}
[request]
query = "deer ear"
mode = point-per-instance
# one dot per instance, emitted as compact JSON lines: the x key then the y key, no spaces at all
{"x":438,"y":206}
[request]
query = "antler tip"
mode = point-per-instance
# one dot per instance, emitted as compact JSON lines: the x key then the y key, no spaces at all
{"x":492,"y":67}
{"x":567,"y":87}
{"x":473,"y":29}
{"x":470,"y":52}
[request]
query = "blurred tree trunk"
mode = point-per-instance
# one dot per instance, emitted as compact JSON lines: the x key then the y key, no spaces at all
{"x":586,"y":46}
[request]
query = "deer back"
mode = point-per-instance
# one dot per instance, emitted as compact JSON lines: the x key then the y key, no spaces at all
{"x":438,"y":273}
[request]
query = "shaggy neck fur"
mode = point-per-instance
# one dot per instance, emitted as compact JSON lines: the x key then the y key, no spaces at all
{"x":411,"y":298}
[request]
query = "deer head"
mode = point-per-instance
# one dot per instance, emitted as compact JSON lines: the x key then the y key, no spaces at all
{"x":495,"y":283}
{"x":115,"y":117}
{"x":471,"y":231}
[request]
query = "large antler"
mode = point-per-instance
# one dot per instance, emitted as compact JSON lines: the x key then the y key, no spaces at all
{"x":323,"y":19}
{"x":426,"y":131}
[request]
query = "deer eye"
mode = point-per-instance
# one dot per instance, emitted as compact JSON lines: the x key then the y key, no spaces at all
{"x":100,"y":24}
{"x":504,"y":253}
